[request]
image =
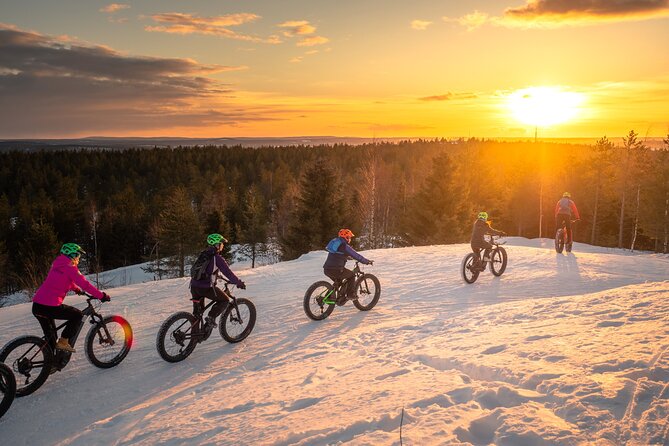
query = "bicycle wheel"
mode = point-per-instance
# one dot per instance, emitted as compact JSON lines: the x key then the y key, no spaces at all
{"x":469,"y":272}
{"x":368,"y":291}
{"x":236,"y":326}
{"x":314,"y":305}
{"x":7,"y":388}
{"x":30,"y":358}
{"x":498,"y":261}
{"x":108,"y":342}
{"x":175,"y":339}
{"x":559,"y":241}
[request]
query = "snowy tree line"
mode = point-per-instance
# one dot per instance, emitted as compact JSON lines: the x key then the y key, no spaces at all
{"x":131,"y":206}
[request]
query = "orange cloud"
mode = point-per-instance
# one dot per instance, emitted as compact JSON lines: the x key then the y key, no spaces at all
{"x":313,"y":40}
{"x":472,"y":20}
{"x":558,"y":13}
{"x":114,"y":7}
{"x":181,"y":23}
{"x":448,"y":97}
{"x":297,"y":28}
{"x":294,"y":28}
{"x":420,"y":25}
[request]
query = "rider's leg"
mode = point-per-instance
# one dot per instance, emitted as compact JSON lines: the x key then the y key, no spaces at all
{"x":72,"y":315}
{"x":486,"y":254}
{"x":567,"y":221}
{"x":47,"y":324}
{"x":222,"y":300}
{"x":349,"y":276}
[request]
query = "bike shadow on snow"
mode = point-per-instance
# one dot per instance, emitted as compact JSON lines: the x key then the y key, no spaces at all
{"x":567,"y":264}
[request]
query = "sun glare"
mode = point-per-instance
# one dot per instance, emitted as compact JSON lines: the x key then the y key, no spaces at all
{"x":544,"y":106}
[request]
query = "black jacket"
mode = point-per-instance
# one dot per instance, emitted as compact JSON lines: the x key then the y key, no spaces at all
{"x":480,"y":229}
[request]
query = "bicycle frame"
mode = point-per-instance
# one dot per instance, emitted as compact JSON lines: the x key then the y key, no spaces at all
{"x":200,"y":335}
{"x":95,"y":318}
{"x":337,"y":285}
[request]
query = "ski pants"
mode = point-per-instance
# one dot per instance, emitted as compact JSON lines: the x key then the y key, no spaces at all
{"x":478,"y":246}
{"x":46,"y":314}
{"x":214,"y":293}
{"x":340,"y":274}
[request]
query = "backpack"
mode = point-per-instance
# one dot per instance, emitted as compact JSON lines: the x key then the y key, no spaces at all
{"x":333,"y":245}
{"x":564,"y":206}
{"x":199,"y":269}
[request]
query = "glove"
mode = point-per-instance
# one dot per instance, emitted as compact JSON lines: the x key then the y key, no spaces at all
{"x":371,"y":262}
{"x":105,"y":297}
{"x":241,"y":285}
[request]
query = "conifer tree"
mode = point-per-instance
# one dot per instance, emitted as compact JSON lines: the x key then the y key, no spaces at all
{"x":254,"y":227}
{"x":177,"y":231}
{"x":319,"y":211}
{"x":438,"y":212}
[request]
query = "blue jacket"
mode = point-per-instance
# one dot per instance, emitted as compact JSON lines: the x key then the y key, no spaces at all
{"x":216,"y":264}
{"x":337,"y":260}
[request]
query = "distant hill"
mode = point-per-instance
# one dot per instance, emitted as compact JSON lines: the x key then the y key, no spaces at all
{"x":102,"y":142}
{"x":114,"y":143}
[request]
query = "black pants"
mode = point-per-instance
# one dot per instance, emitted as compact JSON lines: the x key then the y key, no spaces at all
{"x":565,"y":219}
{"x":340,"y":274}
{"x":45,"y":316}
{"x":215,"y":294}
{"x":477,"y":247}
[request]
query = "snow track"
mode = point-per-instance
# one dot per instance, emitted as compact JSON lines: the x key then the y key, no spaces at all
{"x":562,"y":349}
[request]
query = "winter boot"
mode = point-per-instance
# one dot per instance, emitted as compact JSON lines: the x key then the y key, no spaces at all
{"x":210,"y":322}
{"x":64,"y":344}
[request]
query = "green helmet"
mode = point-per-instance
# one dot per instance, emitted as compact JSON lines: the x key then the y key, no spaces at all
{"x":483,"y":216}
{"x":215,"y":239}
{"x":72,"y":250}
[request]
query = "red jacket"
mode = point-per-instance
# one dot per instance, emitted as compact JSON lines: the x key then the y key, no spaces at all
{"x":566,"y":206}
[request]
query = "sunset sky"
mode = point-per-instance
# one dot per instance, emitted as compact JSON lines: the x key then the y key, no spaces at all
{"x":344,"y":68}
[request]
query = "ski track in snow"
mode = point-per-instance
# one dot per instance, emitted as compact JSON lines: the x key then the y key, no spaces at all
{"x":562,"y":349}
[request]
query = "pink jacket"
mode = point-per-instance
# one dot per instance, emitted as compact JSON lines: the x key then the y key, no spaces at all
{"x":62,"y":278}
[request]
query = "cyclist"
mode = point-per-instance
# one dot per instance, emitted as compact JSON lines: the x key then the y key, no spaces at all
{"x":64,"y":276}
{"x":204,"y":275}
{"x":339,"y":249}
{"x":481,"y":228}
{"x":565,"y":210}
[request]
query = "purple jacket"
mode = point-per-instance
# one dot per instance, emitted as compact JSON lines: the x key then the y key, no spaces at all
{"x":216,"y":264}
{"x":63,"y":277}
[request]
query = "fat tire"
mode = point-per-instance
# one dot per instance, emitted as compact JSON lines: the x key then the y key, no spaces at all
{"x":559,"y":242}
{"x":328,"y":309}
{"x":92,"y":337}
{"x":7,"y":388}
{"x":162,"y":333}
{"x":47,"y":359}
{"x":377,"y":292}
{"x":226,"y":317}
{"x":499,"y":252}
{"x":467,"y":262}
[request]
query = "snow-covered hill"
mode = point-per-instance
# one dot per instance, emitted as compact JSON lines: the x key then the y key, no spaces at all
{"x":562,"y":349}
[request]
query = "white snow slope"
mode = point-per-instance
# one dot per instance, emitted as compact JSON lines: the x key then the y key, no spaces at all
{"x":560,"y":350}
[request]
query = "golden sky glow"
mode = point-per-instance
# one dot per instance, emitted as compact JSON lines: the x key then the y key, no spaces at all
{"x":372,"y":68}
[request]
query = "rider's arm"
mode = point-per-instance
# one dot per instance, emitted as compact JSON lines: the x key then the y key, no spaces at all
{"x":557,"y":209}
{"x":225,"y":269}
{"x":81,"y":282}
{"x":353,"y":253}
{"x":572,"y":205}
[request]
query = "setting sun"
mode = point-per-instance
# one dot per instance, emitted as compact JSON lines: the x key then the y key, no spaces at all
{"x":544,"y":106}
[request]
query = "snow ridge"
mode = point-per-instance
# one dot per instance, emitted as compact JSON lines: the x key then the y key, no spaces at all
{"x":560,"y":350}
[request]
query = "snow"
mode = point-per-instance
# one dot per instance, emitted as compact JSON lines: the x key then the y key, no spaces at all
{"x":560,"y":350}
